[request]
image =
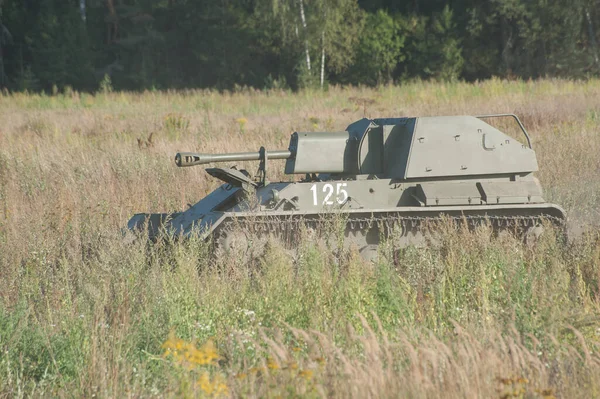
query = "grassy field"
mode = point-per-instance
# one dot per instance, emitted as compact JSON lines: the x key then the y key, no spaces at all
{"x":84,"y":314}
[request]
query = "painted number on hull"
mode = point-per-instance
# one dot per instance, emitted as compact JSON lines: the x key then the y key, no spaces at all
{"x":341,"y":195}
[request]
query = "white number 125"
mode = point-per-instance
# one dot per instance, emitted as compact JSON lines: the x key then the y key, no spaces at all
{"x":341,"y":195}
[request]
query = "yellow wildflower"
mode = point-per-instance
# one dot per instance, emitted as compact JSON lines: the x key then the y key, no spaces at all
{"x":272,"y":364}
{"x":306,"y":374}
{"x":215,"y":388}
{"x":241,"y":123}
{"x":186,"y":353}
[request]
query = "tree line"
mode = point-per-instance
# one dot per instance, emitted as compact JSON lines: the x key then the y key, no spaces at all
{"x":223,"y":44}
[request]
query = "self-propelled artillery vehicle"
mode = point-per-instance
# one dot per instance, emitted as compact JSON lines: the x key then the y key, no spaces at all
{"x":378,"y":174}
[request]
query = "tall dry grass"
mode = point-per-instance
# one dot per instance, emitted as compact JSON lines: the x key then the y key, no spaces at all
{"x":83,"y":314}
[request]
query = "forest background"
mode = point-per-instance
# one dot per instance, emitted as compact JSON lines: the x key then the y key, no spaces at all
{"x":53,"y":45}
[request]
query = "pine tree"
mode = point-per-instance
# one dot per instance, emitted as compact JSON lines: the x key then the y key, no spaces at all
{"x":380,"y":50}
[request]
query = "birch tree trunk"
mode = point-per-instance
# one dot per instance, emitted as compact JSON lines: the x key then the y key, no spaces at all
{"x":82,"y":9}
{"x":322,"y":58}
{"x":303,"y":19}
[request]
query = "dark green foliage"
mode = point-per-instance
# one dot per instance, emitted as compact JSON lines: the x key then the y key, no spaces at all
{"x":59,"y":48}
{"x":142,"y":44}
{"x":433,"y":47}
{"x":380,"y":50}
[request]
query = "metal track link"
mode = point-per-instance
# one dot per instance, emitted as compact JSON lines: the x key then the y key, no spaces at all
{"x":288,"y":228}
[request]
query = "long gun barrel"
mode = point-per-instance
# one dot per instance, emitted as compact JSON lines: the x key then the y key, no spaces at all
{"x":191,"y":158}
